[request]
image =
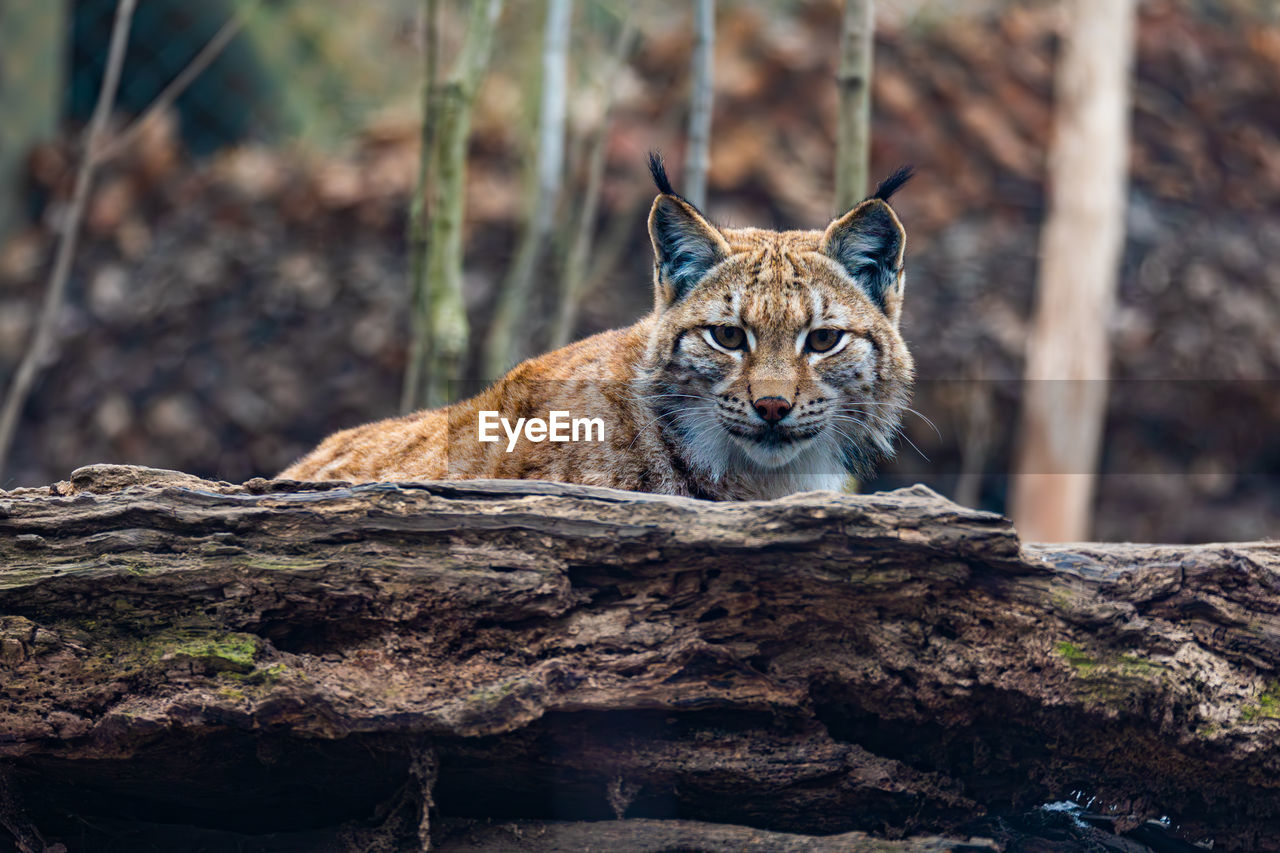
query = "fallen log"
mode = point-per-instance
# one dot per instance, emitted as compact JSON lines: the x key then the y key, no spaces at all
{"x":326,"y":664}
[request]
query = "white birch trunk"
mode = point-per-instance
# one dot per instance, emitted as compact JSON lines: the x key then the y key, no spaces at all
{"x":507,"y":334}
{"x":575,"y":268}
{"x":1068,"y":355}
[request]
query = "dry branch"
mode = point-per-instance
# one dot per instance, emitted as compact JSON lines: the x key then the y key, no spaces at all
{"x":815,"y":665}
{"x":179,"y":84}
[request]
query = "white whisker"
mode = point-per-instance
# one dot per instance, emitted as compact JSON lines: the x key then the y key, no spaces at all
{"x":645,"y":428}
{"x":901,"y":408}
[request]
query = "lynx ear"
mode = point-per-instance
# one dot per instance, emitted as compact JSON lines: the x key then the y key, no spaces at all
{"x":868,"y":242}
{"x":685,"y":245}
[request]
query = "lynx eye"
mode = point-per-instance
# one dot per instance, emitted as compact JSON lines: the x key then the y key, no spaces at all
{"x":729,"y":337}
{"x":822,"y":340}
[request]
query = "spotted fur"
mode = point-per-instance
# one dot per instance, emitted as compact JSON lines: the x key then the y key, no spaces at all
{"x":685,"y":414}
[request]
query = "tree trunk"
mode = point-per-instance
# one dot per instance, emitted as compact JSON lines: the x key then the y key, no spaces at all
{"x":508,"y":333}
{"x":698,"y":159}
{"x":446,"y":312}
{"x":1069,"y":350}
{"x":853,"y":85}
{"x":182,"y":655}
{"x":414,"y":391}
{"x":575,"y":268}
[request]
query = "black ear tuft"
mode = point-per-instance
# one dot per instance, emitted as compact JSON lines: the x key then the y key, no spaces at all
{"x":686,"y":246}
{"x":893,"y":183}
{"x":659,"y":171}
{"x":868,"y":242}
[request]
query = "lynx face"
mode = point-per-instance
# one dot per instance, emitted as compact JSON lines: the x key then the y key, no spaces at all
{"x":777,"y":354}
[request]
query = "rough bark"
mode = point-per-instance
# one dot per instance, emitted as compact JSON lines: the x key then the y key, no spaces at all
{"x":321,"y":661}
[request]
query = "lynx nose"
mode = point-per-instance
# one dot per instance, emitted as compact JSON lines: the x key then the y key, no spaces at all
{"x":772,"y":409}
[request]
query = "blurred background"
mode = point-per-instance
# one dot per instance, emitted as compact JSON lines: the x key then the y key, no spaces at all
{"x":241,"y":287}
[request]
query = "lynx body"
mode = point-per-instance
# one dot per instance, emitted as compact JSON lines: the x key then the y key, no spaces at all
{"x":771,"y":363}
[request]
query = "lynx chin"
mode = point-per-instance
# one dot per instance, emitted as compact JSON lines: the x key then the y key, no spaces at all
{"x":771,"y":363}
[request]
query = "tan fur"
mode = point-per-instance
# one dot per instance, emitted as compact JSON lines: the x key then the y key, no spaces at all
{"x":668,"y":398}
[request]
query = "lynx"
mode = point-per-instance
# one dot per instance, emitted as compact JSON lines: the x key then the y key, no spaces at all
{"x":771,"y":363}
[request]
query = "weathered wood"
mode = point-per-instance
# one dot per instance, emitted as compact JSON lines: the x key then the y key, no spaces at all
{"x":661,"y":836}
{"x":819,"y":664}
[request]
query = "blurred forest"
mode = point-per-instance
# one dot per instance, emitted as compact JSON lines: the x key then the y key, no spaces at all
{"x":241,"y":286}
